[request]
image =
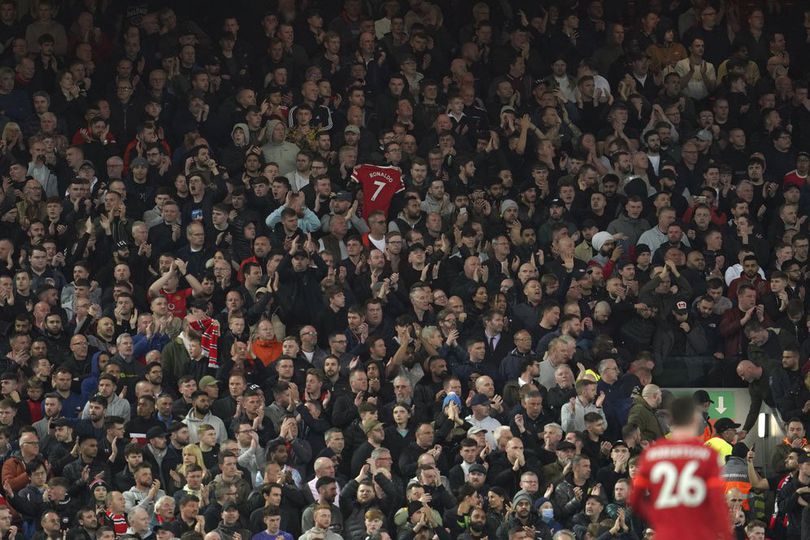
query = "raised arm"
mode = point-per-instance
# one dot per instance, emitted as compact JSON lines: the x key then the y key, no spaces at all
{"x":154,"y":289}
{"x":193,"y":282}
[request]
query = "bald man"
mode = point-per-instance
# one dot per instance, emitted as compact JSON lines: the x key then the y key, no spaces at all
{"x":642,"y":413}
{"x":759,"y":389}
{"x":323,"y":466}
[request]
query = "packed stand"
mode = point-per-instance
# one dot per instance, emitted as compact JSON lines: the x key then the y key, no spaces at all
{"x":395,"y":270}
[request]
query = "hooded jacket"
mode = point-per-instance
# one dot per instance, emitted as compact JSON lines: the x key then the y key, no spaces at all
{"x":283,"y":152}
{"x":233,"y":155}
{"x":215,"y":421}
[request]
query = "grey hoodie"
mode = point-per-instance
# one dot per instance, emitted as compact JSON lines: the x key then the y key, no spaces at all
{"x":245,"y":130}
{"x":282,"y":153}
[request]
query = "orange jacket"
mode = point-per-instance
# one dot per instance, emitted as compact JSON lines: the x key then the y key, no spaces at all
{"x":266,"y":350}
{"x":14,"y":473}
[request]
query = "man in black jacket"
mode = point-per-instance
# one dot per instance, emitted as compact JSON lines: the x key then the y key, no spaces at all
{"x":301,"y":271}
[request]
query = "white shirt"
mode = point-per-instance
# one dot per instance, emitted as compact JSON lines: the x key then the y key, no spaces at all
{"x":734,"y":271}
{"x":489,"y":424}
{"x":493,"y":341}
{"x":697,"y":88}
{"x":379,"y":244}
{"x":298,"y":181}
{"x":311,"y":485}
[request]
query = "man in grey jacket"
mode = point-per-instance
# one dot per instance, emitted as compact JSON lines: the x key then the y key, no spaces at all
{"x":630,"y":224}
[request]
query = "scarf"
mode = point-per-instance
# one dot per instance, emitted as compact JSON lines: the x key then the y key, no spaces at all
{"x":209,"y":330}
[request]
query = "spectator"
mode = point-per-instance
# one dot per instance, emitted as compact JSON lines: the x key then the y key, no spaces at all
{"x":382,"y":230}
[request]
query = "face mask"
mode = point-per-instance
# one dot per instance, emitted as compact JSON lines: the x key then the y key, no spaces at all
{"x":547,"y":514}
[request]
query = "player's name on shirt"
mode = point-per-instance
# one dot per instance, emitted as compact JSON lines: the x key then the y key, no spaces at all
{"x":678,"y":452}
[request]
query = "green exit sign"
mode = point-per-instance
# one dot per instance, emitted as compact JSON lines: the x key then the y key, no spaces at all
{"x":724,"y":405}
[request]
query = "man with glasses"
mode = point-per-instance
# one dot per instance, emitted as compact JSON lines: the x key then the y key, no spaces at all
{"x":250,"y":454}
{"x":308,"y":336}
{"x":617,"y":396}
{"x":14,"y":468}
{"x":125,"y":113}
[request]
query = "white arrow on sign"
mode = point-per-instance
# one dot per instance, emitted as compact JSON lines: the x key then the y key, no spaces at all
{"x":721,"y":408}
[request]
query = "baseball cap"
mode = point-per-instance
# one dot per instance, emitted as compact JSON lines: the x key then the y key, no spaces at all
{"x":300,"y":253}
{"x":477,"y":468}
{"x":87,"y":163}
{"x":475,"y":430}
{"x":704,"y":135}
{"x":507,"y":108}
{"x":565,"y":445}
{"x":155,"y":432}
{"x":701,"y":396}
{"x":804,"y":457}
{"x":556,"y":202}
{"x":480,"y":399}
{"x":722,"y":424}
{"x":343,"y":196}
{"x":208,"y":380}
{"x":351,"y":129}
{"x":681,"y":307}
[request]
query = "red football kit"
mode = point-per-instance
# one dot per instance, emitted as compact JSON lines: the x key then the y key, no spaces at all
{"x":379,"y":184}
{"x":678,"y":490}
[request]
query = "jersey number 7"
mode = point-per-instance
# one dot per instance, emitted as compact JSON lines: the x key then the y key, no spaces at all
{"x":380,"y":185}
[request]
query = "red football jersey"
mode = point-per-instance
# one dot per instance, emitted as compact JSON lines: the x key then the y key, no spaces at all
{"x":678,"y":490}
{"x":379,"y":186}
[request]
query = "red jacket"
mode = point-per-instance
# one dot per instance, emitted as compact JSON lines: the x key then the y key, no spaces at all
{"x":732,"y":331}
{"x":759,"y":285}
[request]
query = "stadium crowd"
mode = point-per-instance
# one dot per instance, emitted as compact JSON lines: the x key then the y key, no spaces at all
{"x":395,"y":270}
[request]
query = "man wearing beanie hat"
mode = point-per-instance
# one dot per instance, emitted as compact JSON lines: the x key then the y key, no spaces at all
{"x":524,"y":515}
{"x":606,"y":252}
{"x":508,"y":204}
{"x":509,"y":213}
